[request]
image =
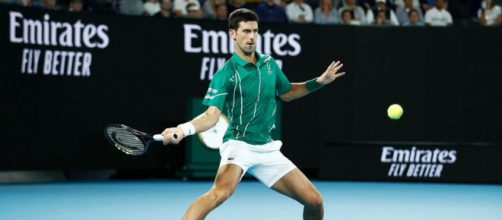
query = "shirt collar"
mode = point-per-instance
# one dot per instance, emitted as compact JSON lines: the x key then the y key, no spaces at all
{"x":259,"y":59}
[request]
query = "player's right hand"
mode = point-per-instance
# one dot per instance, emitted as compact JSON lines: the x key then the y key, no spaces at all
{"x":170,"y":133}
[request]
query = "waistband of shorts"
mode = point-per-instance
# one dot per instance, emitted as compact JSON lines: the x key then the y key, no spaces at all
{"x":262,"y":148}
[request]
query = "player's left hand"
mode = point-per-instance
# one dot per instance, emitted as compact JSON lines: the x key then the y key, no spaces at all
{"x":331,"y":73}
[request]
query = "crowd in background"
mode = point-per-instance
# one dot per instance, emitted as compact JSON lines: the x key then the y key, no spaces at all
{"x":325,"y":12}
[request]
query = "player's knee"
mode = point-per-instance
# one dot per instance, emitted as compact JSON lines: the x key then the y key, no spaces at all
{"x":314,"y":200}
{"x":219,"y":195}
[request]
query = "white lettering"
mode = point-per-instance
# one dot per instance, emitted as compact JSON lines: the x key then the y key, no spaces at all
{"x":386,"y":151}
{"x":65,"y":39}
{"x":63,"y":62}
{"x":453,"y":156}
{"x":70,"y":63}
{"x":13,"y":26}
{"x":77,"y":27}
{"x":76,"y":67}
{"x":55,"y":63}
{"x":86,"y":65}
{"x":396,"y":169}
{"x":32,"y":31}
{"x":294,"y":42}
{"x":267,"y":41}
{"x":60,"y":63}
{"x":47,"y":62}
{"x":189,"y":48}
{"x":46,"y":30}
{"x":105,"y":40}
{"x":216,"y":38}
{"x":204,"y":68}
{"x":53,"y":33}
{"x":25,"y":62}
{"x":280,"y":41}
{"x":198,"y":40}
{"x":89,"y":32}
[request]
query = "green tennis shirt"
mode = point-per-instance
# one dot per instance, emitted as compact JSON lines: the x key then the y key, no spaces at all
{"x":247,"y":94}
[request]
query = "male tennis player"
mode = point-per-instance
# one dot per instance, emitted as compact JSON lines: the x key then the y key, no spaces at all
{"x":247,"y":86}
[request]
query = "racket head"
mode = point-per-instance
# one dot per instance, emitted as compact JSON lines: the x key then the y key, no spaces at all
{"x":213,"y":137}
{"x":127,"y":140}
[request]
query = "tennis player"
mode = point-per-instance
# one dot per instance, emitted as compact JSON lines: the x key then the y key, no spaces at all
{"x":246,"y":86}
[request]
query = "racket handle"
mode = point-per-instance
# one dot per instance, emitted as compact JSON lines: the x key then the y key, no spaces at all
{"x":159,"y":137}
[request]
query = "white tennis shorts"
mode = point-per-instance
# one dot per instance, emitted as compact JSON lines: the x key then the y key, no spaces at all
{"x":265,"y":162}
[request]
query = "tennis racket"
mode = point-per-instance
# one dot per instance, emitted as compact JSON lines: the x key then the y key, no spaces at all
{"x":129,"y":140}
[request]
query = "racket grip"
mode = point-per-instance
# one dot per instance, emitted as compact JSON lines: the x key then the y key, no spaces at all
{"x":159,"y":137}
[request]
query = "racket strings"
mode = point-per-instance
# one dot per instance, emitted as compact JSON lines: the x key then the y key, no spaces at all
{"x":125,"y":139}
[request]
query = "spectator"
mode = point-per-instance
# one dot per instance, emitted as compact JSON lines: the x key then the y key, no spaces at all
{"x":365,"y":4}
{"x":269,"y":11}
{"x":337,"y":4}
{"x":438,"y":15}
{"x":26,"y":3}
{"x":282,"y":3}
{"x":101,"y":6}
{"x":50,"y":4}
{"x":403,"y":12}
{"x":209,"y":8}
{"x":414,"y":19}
{"x":381,"y":7}
{"x":402,"y":3}
{"x":235,"y":4}
{"x":181,"y":6}
{"x":326,"y":14}
{"x":194,"y":11}
{"x":299,"y":12}
{"x":357,"y":12}
{"x":348,"y":18}
{"x":369,"y":4}
{"x":129,"y":7}
{"x":381,"y":19}
{"x":151,"y":7}
{"x":165,"y":9}
{"x":10,"y":2}
{"x":489,"y":14}
{"x":426,"y":4}
{"x":221,"y":11}
{"x":75,"y":6}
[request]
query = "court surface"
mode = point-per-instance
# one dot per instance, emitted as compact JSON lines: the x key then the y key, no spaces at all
{"x":150,"y":200}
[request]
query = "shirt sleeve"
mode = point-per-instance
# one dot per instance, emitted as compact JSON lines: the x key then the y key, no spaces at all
{"x":290,"y":12}
{"x":309,"y":15}
{"x":177,"y":5}
{"x":217,"y":92}
{"x":282,"y":84}
{"x":449,"y":18}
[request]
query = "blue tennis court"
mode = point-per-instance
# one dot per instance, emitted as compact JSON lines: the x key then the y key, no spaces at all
{"x":252,"y":200}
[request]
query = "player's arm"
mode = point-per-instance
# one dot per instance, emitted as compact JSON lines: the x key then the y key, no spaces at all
{"x":199,"y":124}
{"x":299,"y":90}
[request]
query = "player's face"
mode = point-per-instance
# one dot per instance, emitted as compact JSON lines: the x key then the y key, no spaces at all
{"x":245,"y":36}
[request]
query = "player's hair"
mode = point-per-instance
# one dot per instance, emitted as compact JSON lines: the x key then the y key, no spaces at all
{"x":241,"y":14}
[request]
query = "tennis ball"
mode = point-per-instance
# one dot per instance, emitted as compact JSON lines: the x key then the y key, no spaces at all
{"x":395,"y":111}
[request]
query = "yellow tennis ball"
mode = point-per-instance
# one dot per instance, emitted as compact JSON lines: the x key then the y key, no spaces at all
{"x":395,"y":111}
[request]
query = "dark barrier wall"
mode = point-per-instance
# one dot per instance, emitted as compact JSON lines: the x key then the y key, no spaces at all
{"x":419,"y":161}
{"x":142,"y":72}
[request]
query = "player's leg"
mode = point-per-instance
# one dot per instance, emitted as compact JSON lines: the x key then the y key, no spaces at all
{"x":225,"y":183}
{"x":297,"y":186}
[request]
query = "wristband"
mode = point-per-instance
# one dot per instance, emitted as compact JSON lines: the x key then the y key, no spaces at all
{"x":312,"y":85}
{"x":188,"y":128}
